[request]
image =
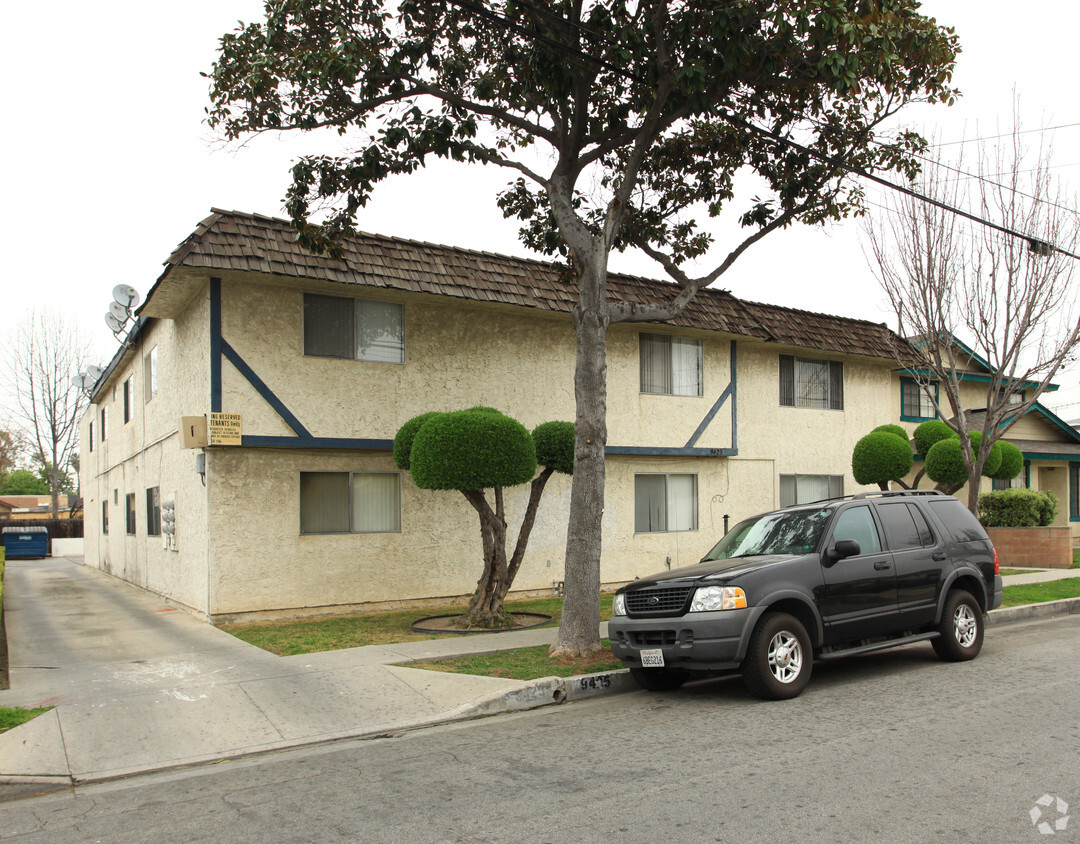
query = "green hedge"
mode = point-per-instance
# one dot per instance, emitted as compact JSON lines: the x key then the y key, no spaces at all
{"x":1017,"y":508}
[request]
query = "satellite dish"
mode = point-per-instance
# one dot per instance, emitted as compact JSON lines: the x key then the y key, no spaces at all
{"x":126,"y":295}
{"x":115,"y":325}
{"x":95,"y":372}
{"x":119,"y":311}
{"x":77,"y":382}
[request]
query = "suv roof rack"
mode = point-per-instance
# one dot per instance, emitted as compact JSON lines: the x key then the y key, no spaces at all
{"x":895,"y":492}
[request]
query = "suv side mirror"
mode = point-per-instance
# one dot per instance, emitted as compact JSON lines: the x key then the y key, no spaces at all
{"x":842,"y":549}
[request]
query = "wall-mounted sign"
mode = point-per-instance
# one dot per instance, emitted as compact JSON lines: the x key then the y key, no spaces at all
{"x":224,"y":429}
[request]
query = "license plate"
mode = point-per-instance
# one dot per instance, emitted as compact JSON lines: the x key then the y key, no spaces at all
{"x":652,"y":658}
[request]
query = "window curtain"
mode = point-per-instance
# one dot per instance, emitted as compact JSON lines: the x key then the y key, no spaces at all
{"x":685,"y":367}
{"x":655,"y":364}
{"x":681,"y":502}
{"x":380,"y":332}
{"x":812,"y":383}
{"x":324,"y":502}
{"x":328,"y":326}
{"x":787,"y":381}
{"x":650,"y":503}
{"x":376,"y":503}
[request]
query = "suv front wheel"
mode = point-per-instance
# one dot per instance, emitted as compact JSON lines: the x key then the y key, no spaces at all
{"x":961,"y":628}
{"x":778,"y":659}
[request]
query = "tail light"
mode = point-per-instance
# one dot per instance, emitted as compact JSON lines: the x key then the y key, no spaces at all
{"x":997,"y":565}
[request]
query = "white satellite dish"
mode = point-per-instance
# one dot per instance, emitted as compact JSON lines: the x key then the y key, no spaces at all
{"x":115,"y":325}
{"x":77,"y":382}
{"x":95,"y":372}
{"x":119,"y":311}
{"x":126,"y":295}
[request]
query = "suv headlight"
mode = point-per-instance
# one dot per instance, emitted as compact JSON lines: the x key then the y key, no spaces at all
{"x":618,"y":604}
{"x":712,"y":598}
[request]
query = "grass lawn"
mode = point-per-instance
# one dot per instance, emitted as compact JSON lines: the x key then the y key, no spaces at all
{"x":1076,"y":558}
{"x":1037,"y":593}
{"x":524,"y":664}
{"x":1007,"y":572}
{"x":309,"y":635}
{"x":11,"y":718}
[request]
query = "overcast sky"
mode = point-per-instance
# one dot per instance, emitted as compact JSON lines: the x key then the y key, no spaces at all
{"x":110,"y":165}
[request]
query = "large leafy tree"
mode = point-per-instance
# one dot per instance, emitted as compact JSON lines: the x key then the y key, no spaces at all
{"x":624,"y":124}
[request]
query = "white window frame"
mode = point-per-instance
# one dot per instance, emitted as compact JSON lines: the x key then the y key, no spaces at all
{"x":150,"y":362}
{"x":655,"y":517}
{"x":355,"y":519}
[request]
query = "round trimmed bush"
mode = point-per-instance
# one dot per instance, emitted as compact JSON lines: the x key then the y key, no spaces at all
{"x":894,"y":429}
{"x":403,"y":439}
{"x":555,"y":446}
{"x":930,"y":432}
{"x":993,"y":459}
{"x":470,"y":450}
{"x":945,"y":462}
{"x":879,"y":457}
{"x":1012,"y":462}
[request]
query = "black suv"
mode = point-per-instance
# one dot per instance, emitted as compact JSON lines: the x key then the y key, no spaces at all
{"x":819,"y":581}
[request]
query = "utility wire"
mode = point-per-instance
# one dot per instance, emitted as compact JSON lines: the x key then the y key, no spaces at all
{"x":1006,"y":135}
{"x":1035,"y":245}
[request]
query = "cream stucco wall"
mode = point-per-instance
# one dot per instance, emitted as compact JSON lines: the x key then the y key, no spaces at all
{"x":240,"y":547}
{"x":145,"y":452}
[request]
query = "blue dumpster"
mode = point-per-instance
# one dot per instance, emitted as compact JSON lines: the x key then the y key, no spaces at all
{"x":25,"y":542}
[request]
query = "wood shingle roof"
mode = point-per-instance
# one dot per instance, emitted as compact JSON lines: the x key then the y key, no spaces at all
{"x":252,"y":243}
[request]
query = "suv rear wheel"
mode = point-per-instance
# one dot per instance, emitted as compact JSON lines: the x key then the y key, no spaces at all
{"x":961,"y":627}
{"x":778,"y":659}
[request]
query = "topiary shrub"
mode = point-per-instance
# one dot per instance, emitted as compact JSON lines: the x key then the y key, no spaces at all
{"x":896,"y":430}
{"x":930,"y":432}
{"x":1012,"y":462}
{"x":944,"y":462}
{"x":880,"y":457}
{"x":403,"y":439}
{"x":1017,"y":508}
{"x":472,"y":450}
{"x":993,"y":459}
{"x":555,"y":446}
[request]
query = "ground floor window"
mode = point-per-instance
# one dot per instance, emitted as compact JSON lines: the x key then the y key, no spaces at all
{"x":802,"y":489}
{"x":153,"y":511}
{"x":1021,"y":481}
{"x":129,"y":502}
{"x":105,"y":517}
{"x":665,"y":503}
{"x":350,"y":502}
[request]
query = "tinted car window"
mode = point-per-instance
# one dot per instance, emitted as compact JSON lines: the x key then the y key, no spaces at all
{"x":858,"y":523}
{"x":926,"y":536}
{"x":791,"y":532}
{"x":900,"y":526}
{"x":958,"y":520}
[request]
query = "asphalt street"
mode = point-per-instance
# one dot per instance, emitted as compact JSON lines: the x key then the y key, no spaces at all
{"x":896,"y":746}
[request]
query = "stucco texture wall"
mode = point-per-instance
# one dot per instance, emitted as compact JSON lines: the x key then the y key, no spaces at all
{"x":145,"y":452}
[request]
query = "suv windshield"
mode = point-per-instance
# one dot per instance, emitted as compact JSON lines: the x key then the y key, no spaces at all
{"x":787,"y":532}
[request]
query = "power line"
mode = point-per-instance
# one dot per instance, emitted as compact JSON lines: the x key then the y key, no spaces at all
{"x":1006,"y":135}
{"x":1036,"y":246}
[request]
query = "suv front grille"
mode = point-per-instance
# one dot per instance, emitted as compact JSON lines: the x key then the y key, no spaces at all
{"x":659,"y":601}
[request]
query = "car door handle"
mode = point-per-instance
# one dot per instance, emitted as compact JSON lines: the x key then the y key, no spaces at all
{"x":881,"y":565}
{"x":938,"y":556}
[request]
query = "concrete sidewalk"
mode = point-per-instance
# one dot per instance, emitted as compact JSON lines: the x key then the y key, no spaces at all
{"x":139,"y":686}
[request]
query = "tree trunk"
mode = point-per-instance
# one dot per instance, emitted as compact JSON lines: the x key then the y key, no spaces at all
{"x":579,"y":630}
{"x":486,"y":605}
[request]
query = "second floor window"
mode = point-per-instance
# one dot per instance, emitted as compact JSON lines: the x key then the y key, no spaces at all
{"x":670,"y":366}
{"x":355,"y":329}
{"x":150,"y":375}
{"x":914,"y":403}
{"x":808,"y":382}
{"x":129,"y":390}
{"x":104,"y":423}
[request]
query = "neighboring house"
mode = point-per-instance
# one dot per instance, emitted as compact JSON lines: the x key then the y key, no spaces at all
{"x":36,"y":507}
{"x":1051,"y":447}
{"x":731,"y":409}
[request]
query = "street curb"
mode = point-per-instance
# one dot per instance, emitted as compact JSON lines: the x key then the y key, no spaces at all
{"x":1047,"y":609}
